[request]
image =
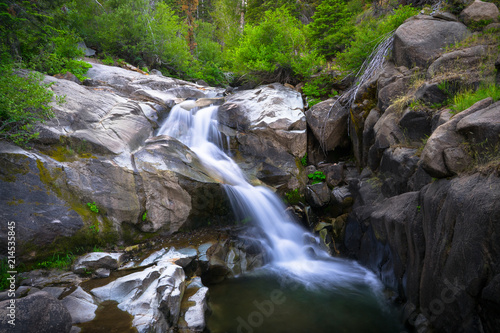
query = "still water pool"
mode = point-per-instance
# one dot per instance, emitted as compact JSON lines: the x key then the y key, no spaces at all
{"x":266,"y":303}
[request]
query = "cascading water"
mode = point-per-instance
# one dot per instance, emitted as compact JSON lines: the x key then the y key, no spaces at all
{"x":317,"y":293}
{"x":293,"y":251}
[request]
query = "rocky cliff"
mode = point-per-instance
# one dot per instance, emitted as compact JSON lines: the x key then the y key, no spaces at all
{"x":426,"y":210}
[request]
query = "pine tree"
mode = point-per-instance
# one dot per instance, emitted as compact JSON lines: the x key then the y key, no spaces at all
{"x":330,"y":30}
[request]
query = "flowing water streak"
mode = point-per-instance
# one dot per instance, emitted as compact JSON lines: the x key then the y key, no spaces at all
{"x":372,"y":64}
{"x":294,"y":252}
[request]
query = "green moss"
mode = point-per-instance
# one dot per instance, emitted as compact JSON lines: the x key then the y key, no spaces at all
{"x":15,"y":202}
{"x":67,"y":152}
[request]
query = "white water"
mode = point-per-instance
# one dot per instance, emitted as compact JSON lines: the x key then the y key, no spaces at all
{"x":294,"y":252}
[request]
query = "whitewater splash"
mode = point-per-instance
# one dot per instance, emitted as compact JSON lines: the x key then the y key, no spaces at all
{"x":294,"y":252}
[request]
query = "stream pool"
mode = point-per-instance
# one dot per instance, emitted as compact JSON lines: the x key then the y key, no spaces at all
{"x":267,"y":303}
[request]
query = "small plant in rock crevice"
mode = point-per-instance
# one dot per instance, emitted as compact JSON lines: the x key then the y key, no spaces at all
{"x":93,"y":207}
{"x":303,"y":160}
{"x":293,"y":197}
{"x":316,"y":177}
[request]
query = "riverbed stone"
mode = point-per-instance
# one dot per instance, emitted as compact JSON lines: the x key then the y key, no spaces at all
{"x":94,"y":260}
{"x":194,"y":308}
{"x":153,"y":296}
{"x":80,"y":305}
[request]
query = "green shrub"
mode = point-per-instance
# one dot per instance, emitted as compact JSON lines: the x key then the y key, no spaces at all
{"x":318,"y":89}
{"x":466,"y":99}
{"x":4,"y":268}
{"x":278,"y":42}
{"x":24,"y":102}
{"x":57,"y":261}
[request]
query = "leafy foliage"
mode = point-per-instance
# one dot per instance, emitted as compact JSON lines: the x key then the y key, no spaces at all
{"x":279,"y":41}
{"x":318,"y":88}
{"x":24,"y":101}
{"x":143,"y":34}
{"x":303,"y":160}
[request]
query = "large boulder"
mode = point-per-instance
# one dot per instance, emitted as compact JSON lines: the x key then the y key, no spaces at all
{"x":178,"y":191}
{"x":269,"y":127}
{"x":396,"y":167}
{"x":466,"y":58}
{"x":328,"y":122}
{"x":444,"y":154}
{"x":387,"y":133}
{"x":94,"y":151}
{"x":421,"y":39}
{"x":480,"y":11}
{"x":36,"y":313}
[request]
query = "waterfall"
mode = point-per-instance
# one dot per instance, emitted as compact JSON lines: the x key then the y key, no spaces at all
{"x":294,"y":252}
{"x":371,"y":65}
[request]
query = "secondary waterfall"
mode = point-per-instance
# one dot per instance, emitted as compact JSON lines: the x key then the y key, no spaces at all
{"x":294,"y":252}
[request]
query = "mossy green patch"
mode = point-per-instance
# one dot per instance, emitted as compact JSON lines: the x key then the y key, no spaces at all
{"x":15,"y":202}
{"x":65,"y":152}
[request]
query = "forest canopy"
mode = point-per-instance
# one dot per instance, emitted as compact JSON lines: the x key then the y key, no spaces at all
{"x":222,"y":42}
